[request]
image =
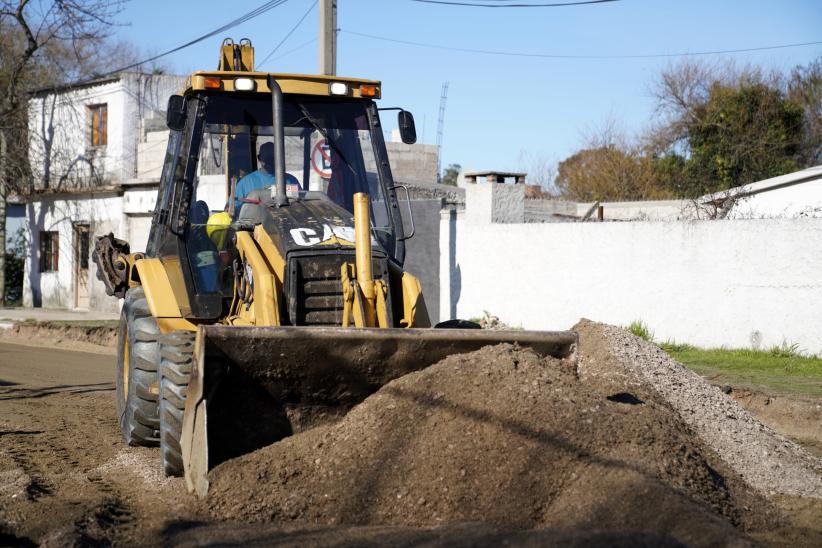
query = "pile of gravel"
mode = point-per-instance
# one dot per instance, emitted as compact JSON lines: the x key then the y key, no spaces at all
{"x":767,"y":461}
{"x":502,"y":436}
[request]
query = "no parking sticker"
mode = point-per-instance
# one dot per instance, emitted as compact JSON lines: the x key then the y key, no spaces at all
{"x":321,"y":159}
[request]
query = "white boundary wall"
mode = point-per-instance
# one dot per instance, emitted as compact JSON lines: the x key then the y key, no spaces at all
{"x":739,"y":283}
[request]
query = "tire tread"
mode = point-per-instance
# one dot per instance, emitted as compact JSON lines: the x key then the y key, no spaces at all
{"x":176,"y":359}
{"x":138,"y":410}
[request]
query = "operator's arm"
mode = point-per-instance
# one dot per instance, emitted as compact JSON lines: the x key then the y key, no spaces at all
{"x":241,"y":191}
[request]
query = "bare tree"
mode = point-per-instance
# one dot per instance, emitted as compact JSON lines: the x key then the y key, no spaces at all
{"x":43,"y":43}
{"x":805,"y":87}
{"x":541,"y":171}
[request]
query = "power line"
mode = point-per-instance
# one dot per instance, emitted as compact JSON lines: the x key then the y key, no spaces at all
{"x":271,"y":4}
{"x":491,"y":5}
{"x":267,"y":57}
{"x":572,"y":56}
{"x":301,"y":46}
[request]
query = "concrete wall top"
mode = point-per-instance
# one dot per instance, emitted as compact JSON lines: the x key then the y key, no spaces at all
{"x":432,"y":191}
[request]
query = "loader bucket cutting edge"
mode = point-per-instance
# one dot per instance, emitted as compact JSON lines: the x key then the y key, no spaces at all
{"x":251,"y":386}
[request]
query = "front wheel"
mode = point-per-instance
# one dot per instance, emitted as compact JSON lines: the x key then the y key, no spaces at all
{"x":138,"y":357}
{"x":176,"y":359}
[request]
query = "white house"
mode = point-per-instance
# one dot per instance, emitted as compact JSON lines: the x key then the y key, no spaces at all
{"x":84,"y":142}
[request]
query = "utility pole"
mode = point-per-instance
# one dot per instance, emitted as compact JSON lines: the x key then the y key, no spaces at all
{"x":328,"y":37}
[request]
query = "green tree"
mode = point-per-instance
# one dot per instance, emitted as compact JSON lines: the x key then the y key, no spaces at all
{"x":725,"y":126}
{"x":450,"y":174}
{"x":717,"y":127}
{"x":741,"y":135}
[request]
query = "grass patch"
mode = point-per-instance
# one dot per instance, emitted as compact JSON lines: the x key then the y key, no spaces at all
{"x":783,"y":369}
{"x":779,"y":370}
{"x":641,"y":330}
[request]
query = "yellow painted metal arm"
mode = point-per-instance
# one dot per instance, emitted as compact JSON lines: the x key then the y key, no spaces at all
{"x":414,"y":311}
{"x":259,"y":303}
{"x":162,"y":301}
{"x":362,"y":294}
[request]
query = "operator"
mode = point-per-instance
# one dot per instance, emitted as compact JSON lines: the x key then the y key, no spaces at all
{"x":262,"y":178}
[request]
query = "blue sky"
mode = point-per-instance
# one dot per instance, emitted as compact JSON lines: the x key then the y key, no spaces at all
{"x":498,"y":107}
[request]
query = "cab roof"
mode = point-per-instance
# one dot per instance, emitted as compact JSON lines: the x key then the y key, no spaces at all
{"x":300,"y":84}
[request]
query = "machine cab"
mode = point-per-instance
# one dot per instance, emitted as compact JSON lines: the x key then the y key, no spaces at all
{"x":219,"y":174}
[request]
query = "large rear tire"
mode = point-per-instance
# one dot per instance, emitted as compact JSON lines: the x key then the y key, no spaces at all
{"x":177,"y":355}
{"x":138,"y":358}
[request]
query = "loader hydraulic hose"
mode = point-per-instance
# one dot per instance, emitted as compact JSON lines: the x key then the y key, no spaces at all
{"x":280,"y":198}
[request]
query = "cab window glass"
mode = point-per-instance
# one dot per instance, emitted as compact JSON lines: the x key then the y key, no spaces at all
{"x":328,"y":155}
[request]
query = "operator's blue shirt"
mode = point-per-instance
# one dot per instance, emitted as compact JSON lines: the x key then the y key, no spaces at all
{"x":257,"y":180}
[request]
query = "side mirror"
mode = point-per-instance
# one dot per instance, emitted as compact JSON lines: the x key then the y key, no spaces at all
{"x":408,"y":132}
{"x":176,"y":113}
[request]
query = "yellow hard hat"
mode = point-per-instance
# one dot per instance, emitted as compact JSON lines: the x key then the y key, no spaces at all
{"x":217,"y":228}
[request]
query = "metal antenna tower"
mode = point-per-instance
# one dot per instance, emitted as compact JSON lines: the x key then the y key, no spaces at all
{"x":440,"y":123}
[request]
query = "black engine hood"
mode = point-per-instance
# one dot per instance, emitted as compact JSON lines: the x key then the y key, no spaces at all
{"x":307,"y":223}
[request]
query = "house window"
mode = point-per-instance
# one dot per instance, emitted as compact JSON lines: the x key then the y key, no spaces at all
{"x":98,"y":122}
{"x":48,"y":251}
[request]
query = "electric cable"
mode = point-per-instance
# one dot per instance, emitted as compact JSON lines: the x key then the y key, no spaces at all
{"x":490,"y":5}
{"x":267,"y":6}
{"x":270,"y":53}
{"x":574,"y":56}
{"x":297,"y":48}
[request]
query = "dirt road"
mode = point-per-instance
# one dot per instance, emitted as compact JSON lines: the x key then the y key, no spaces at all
{"x":65,"y":476}
{"x":54,"y":369}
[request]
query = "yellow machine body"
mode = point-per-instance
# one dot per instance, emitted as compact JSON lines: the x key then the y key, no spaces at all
{"x":256,"y":378}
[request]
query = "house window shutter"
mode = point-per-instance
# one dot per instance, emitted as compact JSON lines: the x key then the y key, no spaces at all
{"x":43,"y":237}
{"x":103,"y":125}
{"x":95,"y":135}
{"x":55,"y":250}
{"x":98,"y":125}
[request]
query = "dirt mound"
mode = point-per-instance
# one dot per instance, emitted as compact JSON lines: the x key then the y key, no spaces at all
{"x":501,"y":436}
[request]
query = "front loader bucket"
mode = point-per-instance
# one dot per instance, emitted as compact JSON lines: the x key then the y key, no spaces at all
{"x":252,"y":386}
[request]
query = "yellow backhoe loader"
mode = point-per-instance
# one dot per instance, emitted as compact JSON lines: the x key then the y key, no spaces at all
{"x":271,"y":296}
